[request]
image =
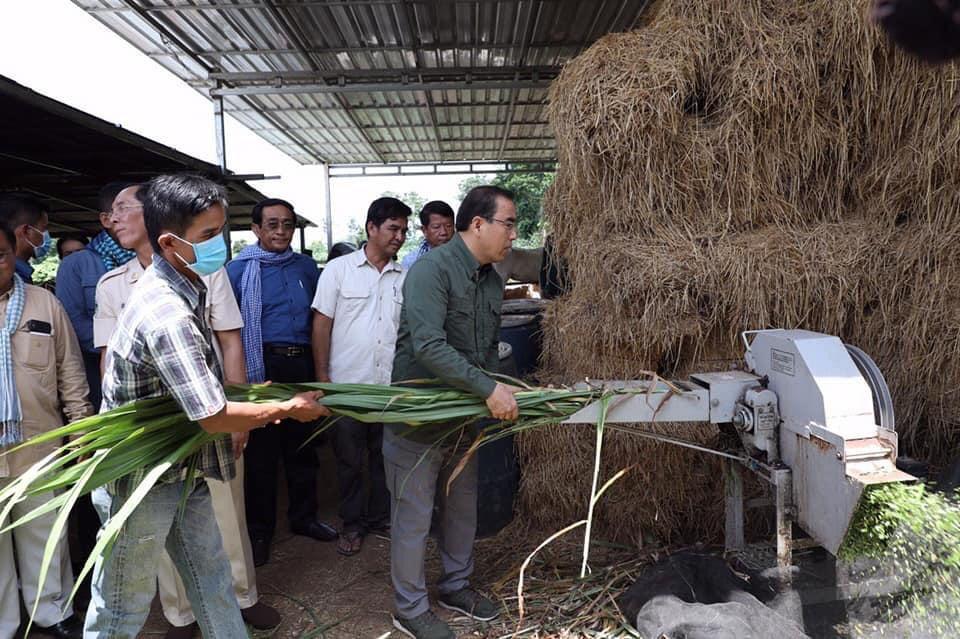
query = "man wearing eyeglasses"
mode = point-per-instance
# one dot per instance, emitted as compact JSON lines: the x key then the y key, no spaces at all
{"x":274,"y":287}
{"x":449,"y":329}
{"x":354,"y":331}
{"x":77,"y":280}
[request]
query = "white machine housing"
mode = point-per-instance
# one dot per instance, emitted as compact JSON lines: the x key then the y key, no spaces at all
{"x":807,"y":417}
{"x":829,"y":435}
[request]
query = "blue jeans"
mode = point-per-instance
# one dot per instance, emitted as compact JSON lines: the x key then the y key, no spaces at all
{"x":124,"y":584}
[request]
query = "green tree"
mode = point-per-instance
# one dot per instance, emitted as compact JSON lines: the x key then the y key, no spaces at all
{"x":356,"y":233}
{"x":412,"y":199}
{"x":46,"y":269}
{"x":238,"y":245}
{"x":469,"y":183}
{"x":318,"y":249}
{"x":528,"y":189}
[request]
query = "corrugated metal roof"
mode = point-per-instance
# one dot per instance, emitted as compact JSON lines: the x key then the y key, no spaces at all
{"x":375,"y":81}
{"x":64,"y":156}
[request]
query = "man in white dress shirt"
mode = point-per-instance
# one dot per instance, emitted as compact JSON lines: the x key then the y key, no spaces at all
{"x":357,"y":311}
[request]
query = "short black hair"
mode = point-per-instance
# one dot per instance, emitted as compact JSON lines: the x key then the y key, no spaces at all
{"x":436,"y":207}
{"x":928,"y":29}
{"x":77,"y":237}
{"x":8,"y":233}
{"x":481,"y":201}
{"x":386,"y":208}
{"x":170,"y":202}
{"x":18,"y":208}
{"x":109,"y":193}
{"x":257,"y":214}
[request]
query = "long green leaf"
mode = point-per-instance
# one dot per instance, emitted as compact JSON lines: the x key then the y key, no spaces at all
{"x":57,"y":532}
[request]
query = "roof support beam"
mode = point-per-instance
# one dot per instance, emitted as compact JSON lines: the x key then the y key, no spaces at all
{"x":394,"y":107}
{"x":164,"y":32}
{"x":240,"y":6}
{"x":300,"y":42}
{"x":397,"y":75}
{"x":440,"y":168}
{"x":528,"y":25}
{"x":292,"y":89}
{"x":431,"y":112}
{"x":573,"y":45}
{"x":402,"y":126}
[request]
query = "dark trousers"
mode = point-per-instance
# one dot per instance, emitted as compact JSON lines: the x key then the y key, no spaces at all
{"x":352,"y":442}
{"x":268,"y":445}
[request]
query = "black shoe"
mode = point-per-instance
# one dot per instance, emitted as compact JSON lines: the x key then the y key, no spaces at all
{"x":261,"y":551}
{"x":69,"y":628}
{"x":182,"y":632}
{"x":261,"y":616}
{"x":381,"y":532}
{"x":316,"y":529}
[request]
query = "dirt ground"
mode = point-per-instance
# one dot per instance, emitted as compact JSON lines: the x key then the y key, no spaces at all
{"x":316,"y":589}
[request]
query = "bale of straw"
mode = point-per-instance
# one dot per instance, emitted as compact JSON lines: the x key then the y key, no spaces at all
{"x":742,"y":165}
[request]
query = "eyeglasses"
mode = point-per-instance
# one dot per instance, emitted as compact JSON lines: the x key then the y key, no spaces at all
{"x":273,"y":225}
{"x":507,"y":225}
{"x":123,"y":208}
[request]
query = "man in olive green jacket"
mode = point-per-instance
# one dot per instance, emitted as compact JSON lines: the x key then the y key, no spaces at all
{"x":449,"y":329}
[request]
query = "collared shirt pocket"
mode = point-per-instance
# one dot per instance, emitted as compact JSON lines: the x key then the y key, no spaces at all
{"x":36,"y":349}
{"x":354,"y":299}
{"x":460,"y":323}
{"x":491,"y":324}
{"x":397,"y":304}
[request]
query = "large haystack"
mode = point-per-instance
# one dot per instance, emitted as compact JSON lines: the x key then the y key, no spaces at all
{"x":736,"y":165}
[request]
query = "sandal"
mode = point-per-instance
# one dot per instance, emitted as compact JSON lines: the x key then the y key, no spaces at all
{"x":349,"y":543}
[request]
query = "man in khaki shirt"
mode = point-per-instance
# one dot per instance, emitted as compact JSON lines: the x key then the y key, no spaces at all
{"x":48,"y":379}
{"x":223,"y":316}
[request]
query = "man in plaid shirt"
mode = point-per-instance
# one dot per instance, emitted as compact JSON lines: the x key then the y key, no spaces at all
{"x":162,"y":346}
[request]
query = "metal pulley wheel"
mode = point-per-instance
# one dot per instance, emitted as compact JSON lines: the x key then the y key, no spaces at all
{"x":882,"y":400}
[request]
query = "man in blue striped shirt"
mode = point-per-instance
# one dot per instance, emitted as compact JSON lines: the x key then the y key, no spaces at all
{"x":274,"y":287}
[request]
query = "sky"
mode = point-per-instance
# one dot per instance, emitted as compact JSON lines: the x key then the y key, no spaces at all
{"x":57,"y":49}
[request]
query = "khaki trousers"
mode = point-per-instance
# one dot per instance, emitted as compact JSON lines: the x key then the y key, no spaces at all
{"x":21,"y":553}
{"x":228,"y":508}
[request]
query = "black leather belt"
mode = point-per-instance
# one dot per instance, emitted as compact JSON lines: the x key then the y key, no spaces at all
{"x":286,"y":351}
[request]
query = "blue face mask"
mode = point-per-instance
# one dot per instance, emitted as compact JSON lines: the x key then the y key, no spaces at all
{"x":41,"y":251}
{"x":211,"y":255}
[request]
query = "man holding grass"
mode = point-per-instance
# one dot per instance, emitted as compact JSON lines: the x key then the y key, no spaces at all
{"x":162,"y":345}
{"x":223,"y":317}
{"x":449,"y":329}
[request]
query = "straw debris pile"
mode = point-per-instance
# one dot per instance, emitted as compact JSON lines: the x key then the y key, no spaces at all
{"x":738,"y":165}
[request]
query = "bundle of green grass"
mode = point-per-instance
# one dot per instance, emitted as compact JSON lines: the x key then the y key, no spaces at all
{"x":152,"y":435}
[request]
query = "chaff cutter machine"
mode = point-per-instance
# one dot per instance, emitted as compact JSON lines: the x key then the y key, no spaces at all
{"x":815,"y":420}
